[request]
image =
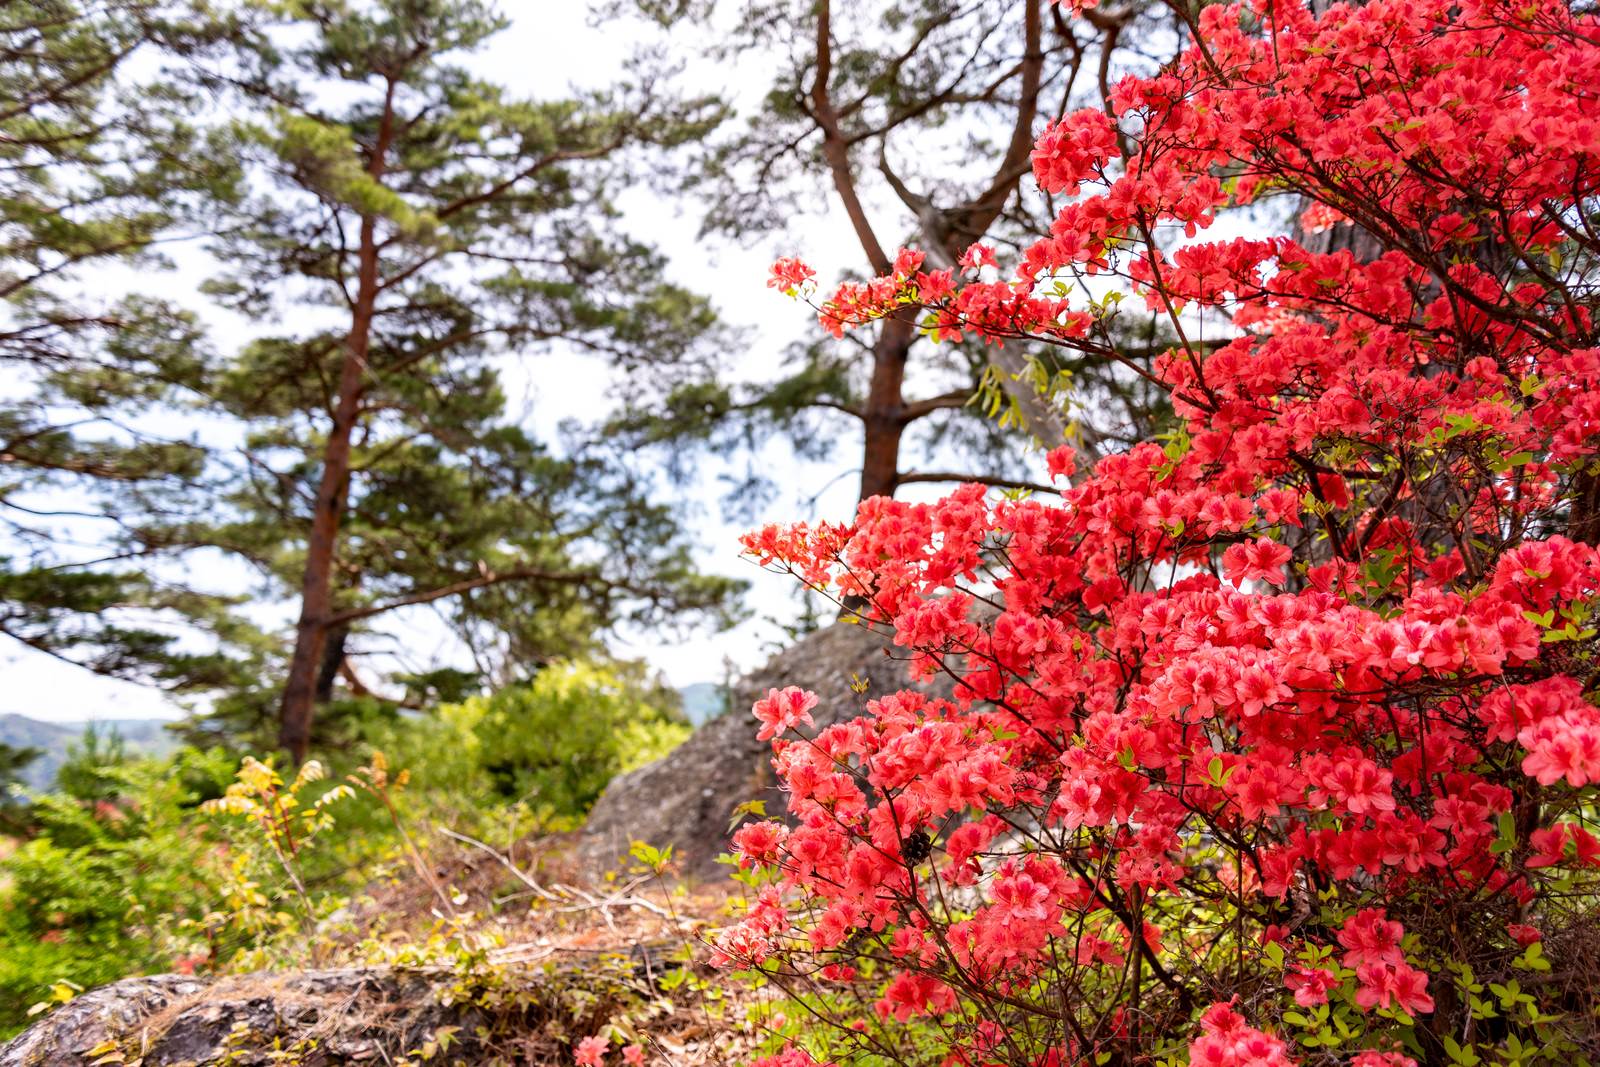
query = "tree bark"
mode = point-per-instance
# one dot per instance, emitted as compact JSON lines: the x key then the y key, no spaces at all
{"x":333,"y":646}
{"x":884,"y":419}
{"x":835,"y":150}
{"x":316,"y":587}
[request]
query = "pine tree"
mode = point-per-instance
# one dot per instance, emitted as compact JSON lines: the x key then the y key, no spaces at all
{"x":423,"y":222}
{"x":393,"y":228}
{"x":101,"y":161}
{"x":917,"y":124}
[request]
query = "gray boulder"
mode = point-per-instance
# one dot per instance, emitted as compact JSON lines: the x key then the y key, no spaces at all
{"x":687,"y":798}
{"x":351,"y":1015}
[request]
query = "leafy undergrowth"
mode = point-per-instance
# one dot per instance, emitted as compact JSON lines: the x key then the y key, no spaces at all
{"x":433,"y":861}
{"x":525,"y":957}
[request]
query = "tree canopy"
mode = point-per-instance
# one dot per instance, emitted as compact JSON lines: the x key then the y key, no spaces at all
{"x":915,"y":124}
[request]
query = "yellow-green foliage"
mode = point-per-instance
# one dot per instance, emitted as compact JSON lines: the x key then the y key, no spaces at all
{"x":556,"y":741}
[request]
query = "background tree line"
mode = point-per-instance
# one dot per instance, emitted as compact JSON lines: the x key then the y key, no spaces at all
{"x":390,"y":228}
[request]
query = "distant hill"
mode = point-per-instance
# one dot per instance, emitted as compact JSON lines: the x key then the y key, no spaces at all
{"x":703,"y":701}
{"x":147,"y":736}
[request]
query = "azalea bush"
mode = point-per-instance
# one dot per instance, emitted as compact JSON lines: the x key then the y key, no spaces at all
{"x":1274,"y":741}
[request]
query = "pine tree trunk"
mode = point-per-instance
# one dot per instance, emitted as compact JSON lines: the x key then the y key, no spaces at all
{"x":333,"y":647}
{"x":884,"y":418}
{"x":316,"y":587}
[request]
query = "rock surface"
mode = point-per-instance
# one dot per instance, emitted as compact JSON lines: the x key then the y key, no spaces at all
{"x":687,"y":798}
{"x":353,"y":1016}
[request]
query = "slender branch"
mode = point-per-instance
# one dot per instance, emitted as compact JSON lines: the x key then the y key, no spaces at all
{"x":916,"y":409}
{"x":834,"y":147}
{"x":467,"y":585}
{"x":983,"y":211}
{"x":980,"y":479}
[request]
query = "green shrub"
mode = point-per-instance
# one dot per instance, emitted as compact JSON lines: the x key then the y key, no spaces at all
{"x":120,"y":872}
{"x":113,"y":868}
{"x":556,"y":741}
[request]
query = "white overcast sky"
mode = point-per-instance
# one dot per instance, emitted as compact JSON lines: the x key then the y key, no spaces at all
{"x":549,"y":47}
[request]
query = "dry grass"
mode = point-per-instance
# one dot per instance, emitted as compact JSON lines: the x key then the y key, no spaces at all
{"x":542,"y":921}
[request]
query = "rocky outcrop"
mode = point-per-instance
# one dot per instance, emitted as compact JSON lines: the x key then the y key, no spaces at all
{"x":687,"y":799}
{"x":316,"y":1018}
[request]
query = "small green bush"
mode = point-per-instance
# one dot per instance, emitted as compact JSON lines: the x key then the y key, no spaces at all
{"x":111,"y":870}
{"x":556,"y":741}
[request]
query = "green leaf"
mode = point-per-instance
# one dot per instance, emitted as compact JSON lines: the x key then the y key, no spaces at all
{"x":757,"y":808}
{"x":1506,"y":834}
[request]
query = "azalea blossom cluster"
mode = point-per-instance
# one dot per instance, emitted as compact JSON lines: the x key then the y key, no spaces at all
{"x":1293,"y":711}
{"x":591,"y":1052}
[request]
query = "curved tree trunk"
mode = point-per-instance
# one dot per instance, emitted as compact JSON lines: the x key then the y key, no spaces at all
{"x":316,"y":587}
